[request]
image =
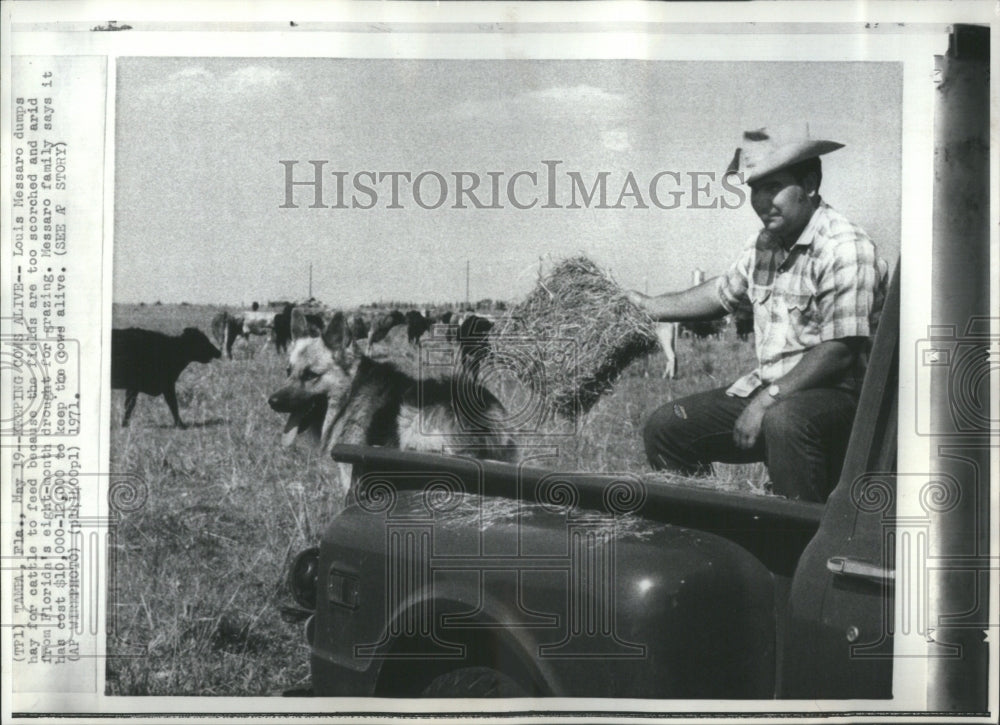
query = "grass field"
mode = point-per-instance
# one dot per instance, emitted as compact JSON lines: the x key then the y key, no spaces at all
{"x":197,"y":570}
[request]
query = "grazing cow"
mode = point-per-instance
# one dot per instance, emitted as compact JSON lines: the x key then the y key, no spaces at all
{"x":704,"y":328}
{"x":381,"y":326}
{"x":283,"y":328}
{"x":416,"y":325}
{"x":744,"y":327}
{"x":474,"y":327}
{"x":149,"y":362}
{"x":258,"y":322}
{"x":473,"y":343}
{"x":225,"y":329}
{"x":666,"y":333}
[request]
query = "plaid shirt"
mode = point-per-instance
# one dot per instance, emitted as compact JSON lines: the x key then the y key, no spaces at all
{"x":829,"y":285}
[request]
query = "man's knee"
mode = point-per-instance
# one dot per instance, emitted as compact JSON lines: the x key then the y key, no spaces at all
{"x":662,"y":435}
{"x":809,"y":418}
{"x":665,"y":423}
{"x":805,"y":443}
{"x":786,"y":421}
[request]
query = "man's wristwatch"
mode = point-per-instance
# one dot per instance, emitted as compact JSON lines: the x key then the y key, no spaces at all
{"x":773,"y":390}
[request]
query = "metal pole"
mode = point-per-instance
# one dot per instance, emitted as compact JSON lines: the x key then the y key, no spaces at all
{"x":467,"y":283}
{"x":310,"y":281}
{"x":959,"y":515}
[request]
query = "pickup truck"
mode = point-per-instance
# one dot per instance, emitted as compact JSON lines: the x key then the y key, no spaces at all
{"x":452,"y":577}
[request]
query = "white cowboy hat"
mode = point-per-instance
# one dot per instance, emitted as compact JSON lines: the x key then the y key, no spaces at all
{"x":765,"y":151}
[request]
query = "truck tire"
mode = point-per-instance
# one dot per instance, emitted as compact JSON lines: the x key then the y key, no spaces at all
{"x":474,"y":682}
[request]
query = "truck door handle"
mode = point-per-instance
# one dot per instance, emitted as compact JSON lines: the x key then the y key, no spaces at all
{"x":858,"y":569}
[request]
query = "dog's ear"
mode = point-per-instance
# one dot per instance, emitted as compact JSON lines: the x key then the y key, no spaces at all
{"x":300,"y":326}
{"x":337,"y":336}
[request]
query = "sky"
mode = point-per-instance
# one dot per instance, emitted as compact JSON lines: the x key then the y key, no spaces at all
{"x":200,"y":184}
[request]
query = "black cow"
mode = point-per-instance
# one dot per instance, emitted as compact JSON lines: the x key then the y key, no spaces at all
{"x":744,"y":327}
{"x":283,"y":328}
{"x":704,"y":329}
{"x":416,"y":325}
{"x":358,"y":327}
{"x":143,"y":361}
{"x":473,"y":342}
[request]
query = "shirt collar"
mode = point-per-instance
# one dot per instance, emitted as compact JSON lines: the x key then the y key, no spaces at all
{"x":806,"y":237}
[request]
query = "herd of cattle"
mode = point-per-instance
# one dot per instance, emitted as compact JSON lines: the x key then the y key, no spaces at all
{"x":150,"y":362}
{"x":144,"y":361}
{"x":227,"y":327}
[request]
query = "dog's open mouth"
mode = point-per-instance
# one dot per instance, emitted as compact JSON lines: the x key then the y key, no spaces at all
{"x":308,"y":419}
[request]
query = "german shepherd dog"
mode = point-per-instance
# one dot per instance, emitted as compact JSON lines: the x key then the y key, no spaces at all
{"x":337,"y":395}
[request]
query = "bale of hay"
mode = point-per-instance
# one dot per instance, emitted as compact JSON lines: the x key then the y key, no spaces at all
{"x":583,"y":330}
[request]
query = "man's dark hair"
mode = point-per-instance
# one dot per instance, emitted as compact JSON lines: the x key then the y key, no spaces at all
{"x":802,"y":169}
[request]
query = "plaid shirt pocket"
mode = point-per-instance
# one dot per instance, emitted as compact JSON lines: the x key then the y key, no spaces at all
{"x":803,"y":315}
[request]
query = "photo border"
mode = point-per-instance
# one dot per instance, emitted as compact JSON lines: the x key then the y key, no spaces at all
{"x":900,"y":32}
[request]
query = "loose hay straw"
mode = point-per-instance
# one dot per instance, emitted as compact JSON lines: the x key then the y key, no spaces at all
{"x":584,"y":331}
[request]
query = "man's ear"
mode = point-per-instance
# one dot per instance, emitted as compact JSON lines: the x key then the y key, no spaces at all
{"x":811,"y":184}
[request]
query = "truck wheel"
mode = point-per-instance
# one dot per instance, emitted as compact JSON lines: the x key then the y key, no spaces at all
{"x":474,"y":682}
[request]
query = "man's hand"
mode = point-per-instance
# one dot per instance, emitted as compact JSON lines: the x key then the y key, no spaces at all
{"x":823,"y":363}
{"x":637,"y":298}
{"x":696,"y":303}
{"x":748,"y":425}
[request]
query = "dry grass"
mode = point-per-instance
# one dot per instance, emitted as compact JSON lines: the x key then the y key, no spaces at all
{"x":585,"y":330}
{"x":198,"y":569}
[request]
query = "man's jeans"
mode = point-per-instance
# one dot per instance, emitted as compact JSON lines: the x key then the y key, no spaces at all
{"x":803,"y":437}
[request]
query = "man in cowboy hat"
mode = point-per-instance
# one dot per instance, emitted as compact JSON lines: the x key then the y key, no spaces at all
{"x":816,"y":286}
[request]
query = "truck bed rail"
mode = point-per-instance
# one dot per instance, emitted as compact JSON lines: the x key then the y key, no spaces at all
{"x":774,"y":529}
